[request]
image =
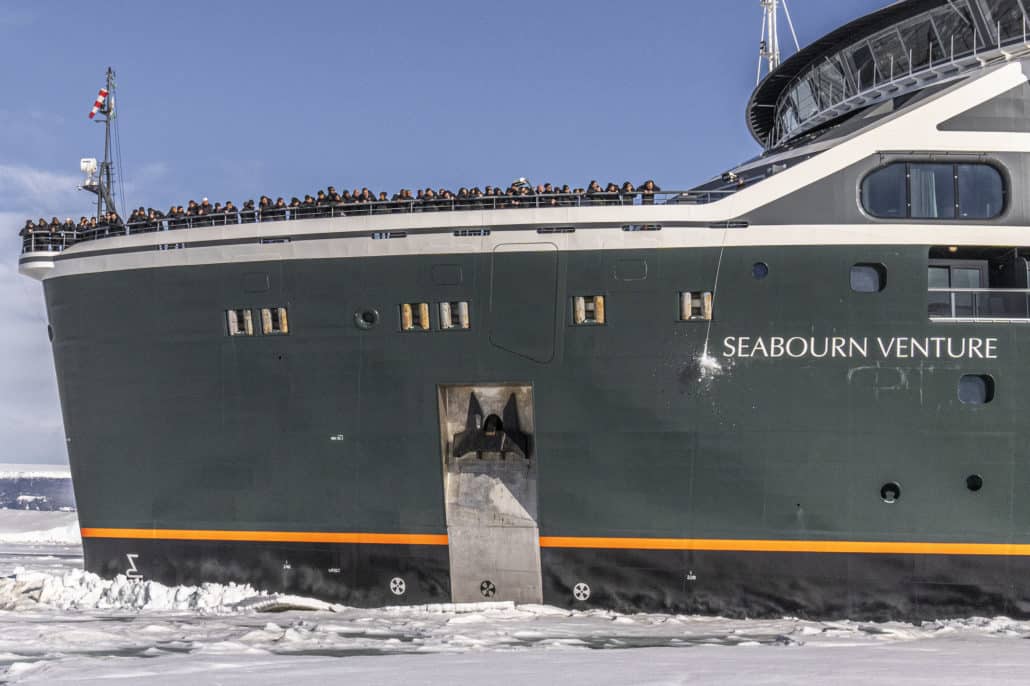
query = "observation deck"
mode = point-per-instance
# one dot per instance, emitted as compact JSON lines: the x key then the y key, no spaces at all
{"x":900,"y":49}
{"x":44,"y":241}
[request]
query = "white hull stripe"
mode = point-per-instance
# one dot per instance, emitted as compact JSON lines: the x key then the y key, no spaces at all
{"x":42,"y":265}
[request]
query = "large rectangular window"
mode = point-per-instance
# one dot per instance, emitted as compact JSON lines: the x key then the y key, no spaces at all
{"x":920,"y":190}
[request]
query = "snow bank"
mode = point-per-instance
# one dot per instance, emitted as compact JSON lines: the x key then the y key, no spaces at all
{"x":34,"y":471}
{"x":79,"y":590}
{"x":30,"y":526}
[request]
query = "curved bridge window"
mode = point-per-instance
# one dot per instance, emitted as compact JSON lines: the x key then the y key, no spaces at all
{"x":920,"y":190}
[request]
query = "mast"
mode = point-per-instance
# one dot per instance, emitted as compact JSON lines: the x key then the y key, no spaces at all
{"x":769,"y":46}
{"x":102,"y":184}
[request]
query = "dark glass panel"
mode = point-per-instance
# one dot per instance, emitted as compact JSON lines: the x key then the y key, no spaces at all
{"x":980,"y":191}
{"x":883,"y":192}
{"x":937,"y":277}
{"x":976,"y":389}
{"x":932,"y":188}
{"x":921,"y":42}
{"x":955,"y":27}
{"x":804,"y":96}
{"x":868,"y":278}
{"x":887,"y":46}
{"x":865,"y":67}
{"x":1007,"y":14}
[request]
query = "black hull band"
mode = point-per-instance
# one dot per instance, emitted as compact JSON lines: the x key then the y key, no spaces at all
{"x":876,"y":587}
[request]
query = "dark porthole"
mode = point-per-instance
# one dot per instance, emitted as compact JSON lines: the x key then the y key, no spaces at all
{"x":759,"y":270}
{"x":366,"y":319}
{"x":868,"y":278}
{"x":890,"y":492}
{"x":974,"y":482}
{"x":976,"y":389}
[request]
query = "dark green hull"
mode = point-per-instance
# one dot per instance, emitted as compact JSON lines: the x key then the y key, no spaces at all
{"x":749,"y":489}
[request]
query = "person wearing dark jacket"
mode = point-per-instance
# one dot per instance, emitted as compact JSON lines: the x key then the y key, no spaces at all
{"x":265,"y":209}
{"x":627,"y":193}
{"x":248,"y":215}
{"x":229,"y":213}
{"x":647,"y":191}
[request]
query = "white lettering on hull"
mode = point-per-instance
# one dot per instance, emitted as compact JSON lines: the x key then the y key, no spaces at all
{"x":840,"y":347}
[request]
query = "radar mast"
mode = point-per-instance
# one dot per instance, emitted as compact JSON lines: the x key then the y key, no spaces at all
{"x":769,"y":46}
{"x":101,"y":181}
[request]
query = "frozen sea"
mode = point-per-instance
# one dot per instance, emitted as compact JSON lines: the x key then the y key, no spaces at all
{"x":60,"y":625}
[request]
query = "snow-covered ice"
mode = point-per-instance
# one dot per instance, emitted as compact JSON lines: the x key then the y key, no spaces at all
{"x":60,"y":625}
{"x":31,"y":526}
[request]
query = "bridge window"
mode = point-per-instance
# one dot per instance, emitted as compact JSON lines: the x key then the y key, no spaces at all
{"x":919,"y":190}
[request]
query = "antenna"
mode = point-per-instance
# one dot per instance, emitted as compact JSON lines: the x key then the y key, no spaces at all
{"x":769,"y":46}
{"x":101,"y":181}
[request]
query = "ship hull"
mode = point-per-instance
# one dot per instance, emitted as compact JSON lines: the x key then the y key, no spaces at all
{"x":751,"y":486}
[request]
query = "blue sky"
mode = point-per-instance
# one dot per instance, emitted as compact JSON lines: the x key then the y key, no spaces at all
{"x":232,"y":100}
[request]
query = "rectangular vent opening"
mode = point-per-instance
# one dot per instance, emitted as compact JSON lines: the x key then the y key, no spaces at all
{"x":383,"y":235}
{"x":454,"y":315}
{"x":240,"y":322}
{"x":461,"y":233}
{"x":274,"y":321}
{"x":556,"y":229}
{"x":268,"y":241}
{"x":588,"y":309}
{"x":696,"y":306}
{"x":642,"y":227}
{"x":415,"y":317}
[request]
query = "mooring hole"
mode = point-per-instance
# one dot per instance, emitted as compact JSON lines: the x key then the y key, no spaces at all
{"x":890,"y":492}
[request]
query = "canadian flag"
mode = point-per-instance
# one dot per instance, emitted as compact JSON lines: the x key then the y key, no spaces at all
{"x":101,"y":97}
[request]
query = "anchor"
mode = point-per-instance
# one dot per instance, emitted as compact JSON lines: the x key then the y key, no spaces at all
{"x":491,"y":434}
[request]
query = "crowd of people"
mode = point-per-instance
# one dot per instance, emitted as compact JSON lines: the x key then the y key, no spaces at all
{"x":330,"y":203}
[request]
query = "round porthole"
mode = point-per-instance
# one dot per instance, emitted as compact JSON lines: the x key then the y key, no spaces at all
{"x":890,"y":492}
{"x":974,"y":482}
{"x":366,"y":319}
{"x":759,"y":270}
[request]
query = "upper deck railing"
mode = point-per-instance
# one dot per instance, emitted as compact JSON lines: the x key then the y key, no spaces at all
{"x":979,"y":304}
{"x":56,"y":241}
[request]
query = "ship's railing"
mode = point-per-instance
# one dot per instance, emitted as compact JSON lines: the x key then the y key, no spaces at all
{"x":57,"y":241}
{"x":979,"y":304}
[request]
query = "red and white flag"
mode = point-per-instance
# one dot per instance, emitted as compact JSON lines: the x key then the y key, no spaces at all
{"x":101,"y":97}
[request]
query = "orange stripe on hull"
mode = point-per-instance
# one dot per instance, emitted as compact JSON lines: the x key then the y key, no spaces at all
{"x":597,"y":543}
{"x":266,"y":536}
{"x":782,"y":546}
